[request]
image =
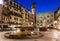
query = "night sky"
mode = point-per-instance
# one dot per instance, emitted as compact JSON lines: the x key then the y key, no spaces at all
{"x":42,"y":6}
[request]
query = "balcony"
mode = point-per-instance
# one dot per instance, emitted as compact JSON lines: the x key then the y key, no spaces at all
{"x":16,"y":14}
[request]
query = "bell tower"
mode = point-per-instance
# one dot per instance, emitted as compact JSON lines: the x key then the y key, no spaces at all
{"x":33,"y":8}
{"x":34,"y":14}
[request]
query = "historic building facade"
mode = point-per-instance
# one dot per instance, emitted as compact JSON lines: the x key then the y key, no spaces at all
{"x":12,"y":13}
{"x":44,"y":20}
{"x":57,"y":18}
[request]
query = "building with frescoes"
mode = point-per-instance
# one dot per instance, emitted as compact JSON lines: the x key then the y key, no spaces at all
{"x":45,"y":20}
{"x":57,"y":18}
{"x":14,"y":14}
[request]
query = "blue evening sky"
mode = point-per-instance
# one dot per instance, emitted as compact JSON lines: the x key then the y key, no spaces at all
{"x":42,"y":6}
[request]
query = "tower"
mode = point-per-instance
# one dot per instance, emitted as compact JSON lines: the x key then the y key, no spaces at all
{"x":33,"y":8}
{"x":34,"y":14}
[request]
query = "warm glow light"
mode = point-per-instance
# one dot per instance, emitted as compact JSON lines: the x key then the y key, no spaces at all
{"x":59,"y":27}
{"x":32,"y":32}
{"x":12,"y":26}
{"x":1,"y":1}
{"x":18,"y":30}
{"x":56,"y":34}
{"x":55,"y":21}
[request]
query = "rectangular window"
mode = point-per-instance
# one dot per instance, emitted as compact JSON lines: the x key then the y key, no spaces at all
{"x":14,"y":4}
{"x":10,"y":3}
{"x":17,"y":5}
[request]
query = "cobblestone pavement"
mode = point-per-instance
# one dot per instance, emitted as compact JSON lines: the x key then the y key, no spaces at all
{"x":51,"y":35}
